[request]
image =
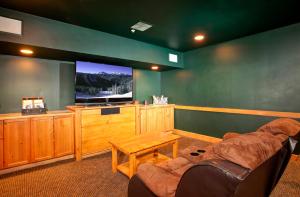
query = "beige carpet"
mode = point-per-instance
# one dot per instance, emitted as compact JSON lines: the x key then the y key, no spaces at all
{"x":93,"y":177}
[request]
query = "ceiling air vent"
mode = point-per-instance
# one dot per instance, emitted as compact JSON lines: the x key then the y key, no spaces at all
{"x":9,"y":25}
{"x":141,"y":26}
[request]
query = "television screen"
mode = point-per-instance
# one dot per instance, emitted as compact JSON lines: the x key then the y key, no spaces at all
{"x":98,"y":82}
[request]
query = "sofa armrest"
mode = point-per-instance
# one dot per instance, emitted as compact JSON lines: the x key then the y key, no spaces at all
{"x":137,"y":188}
{"x":211,"y":178}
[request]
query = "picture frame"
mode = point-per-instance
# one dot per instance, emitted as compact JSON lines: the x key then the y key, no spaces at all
{"x":33,"y":105}
{"x":27,"y":103}
{"x":38,"y":103}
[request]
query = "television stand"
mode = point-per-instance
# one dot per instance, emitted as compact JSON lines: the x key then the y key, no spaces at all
{"x":100,"y":104}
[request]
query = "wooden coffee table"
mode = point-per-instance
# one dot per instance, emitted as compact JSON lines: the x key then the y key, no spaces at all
{"x":141,"y":149}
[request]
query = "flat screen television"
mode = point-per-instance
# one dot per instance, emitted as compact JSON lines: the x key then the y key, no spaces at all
{"x":98,"y":83}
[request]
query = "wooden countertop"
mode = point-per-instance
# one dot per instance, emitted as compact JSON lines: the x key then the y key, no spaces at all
{"x":49,"y":113}
{"x":81,"y":107}
{"x":156,"y":106}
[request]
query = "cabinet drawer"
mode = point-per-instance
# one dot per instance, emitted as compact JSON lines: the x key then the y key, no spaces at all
{"x":95,"y":138}
{"x":94,"y":117}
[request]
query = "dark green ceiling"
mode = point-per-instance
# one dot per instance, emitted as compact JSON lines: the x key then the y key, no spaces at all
{"x":174,"y":21}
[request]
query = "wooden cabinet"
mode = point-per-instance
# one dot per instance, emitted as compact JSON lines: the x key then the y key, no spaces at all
{"x":16,"y":142}
{"x":93,"y":130}
{"x":95,"y":126}
{"x":1,"y":144}
{"x":63,"y":135}
{"x":156,"y":118}
{"x":42,"y":144}
{"x":34,"y":138}
{"x":98,"y":129}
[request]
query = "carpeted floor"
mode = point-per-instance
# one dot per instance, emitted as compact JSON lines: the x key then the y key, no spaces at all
{"x":93,"y":177}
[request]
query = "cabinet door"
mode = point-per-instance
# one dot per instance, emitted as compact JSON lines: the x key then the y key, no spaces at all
{"x":63,"y":135}
{"x":16,"y":142}
{"x":42,"y":145}
{"x":160,"y":119}
{"x":1,"y":144}
{"x":168,"y":118}
{"x":151,"y":120}
{"x":155,"y":120}
{"x":143,"y":119}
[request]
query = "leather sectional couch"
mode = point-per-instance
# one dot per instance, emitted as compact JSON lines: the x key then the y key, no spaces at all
{"x":217,"y":175}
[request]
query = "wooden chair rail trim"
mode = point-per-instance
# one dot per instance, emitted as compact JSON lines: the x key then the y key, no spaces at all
{"x":197,"y":136}
{"x":240,"y":111}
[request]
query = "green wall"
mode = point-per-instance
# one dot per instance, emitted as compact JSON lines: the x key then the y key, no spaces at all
{"x":54,"y":80}
{"x":20,"y":76}
{"x":255,"y":72}
{"x":24,"y":77}
{"x":43,"y":32}
{"x":147,"y":83}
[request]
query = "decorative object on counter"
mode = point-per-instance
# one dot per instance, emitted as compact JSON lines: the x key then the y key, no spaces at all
{"x":160,"y":100}
{"x":135,"y":102}
{"x":145,"y":102}
{"x":33,"y":105}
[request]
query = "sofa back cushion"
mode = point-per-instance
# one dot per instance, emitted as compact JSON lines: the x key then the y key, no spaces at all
{"x":281,"y":126}
{"x":247,"y":150}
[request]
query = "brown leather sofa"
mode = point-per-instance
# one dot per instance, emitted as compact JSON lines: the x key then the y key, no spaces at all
{"x":218,"y":178}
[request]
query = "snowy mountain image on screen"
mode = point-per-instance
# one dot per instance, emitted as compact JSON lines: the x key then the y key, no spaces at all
{"x":103,"y":85}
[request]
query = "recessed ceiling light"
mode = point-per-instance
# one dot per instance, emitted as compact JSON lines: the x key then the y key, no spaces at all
{"x":141,"y":26}
{"x":154,"y":67}
{"x":26,"y":51}
{"x":199,"y":37}
{"x":173,"y":58}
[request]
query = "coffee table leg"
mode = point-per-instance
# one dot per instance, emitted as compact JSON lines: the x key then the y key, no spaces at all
{"x":132,"y":163}
{"x":114,"y":158}
{"x":155,"y":153}
{"x":175,"y":149}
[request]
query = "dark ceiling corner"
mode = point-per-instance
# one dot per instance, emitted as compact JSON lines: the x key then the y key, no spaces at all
{"x":174,"y":22}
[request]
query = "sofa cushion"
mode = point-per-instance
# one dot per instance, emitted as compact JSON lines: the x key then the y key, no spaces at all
{"x":162,"y":179}
{"x":247,"y":150}
{"x":281,"y":126}
{"x":176,"y":166}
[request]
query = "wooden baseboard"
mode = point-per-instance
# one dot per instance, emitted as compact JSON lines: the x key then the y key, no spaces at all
{"x":295,"y":157}
{"x":32,"y":165}
{"x":197,"y":136}
{"x":96,"y":154}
